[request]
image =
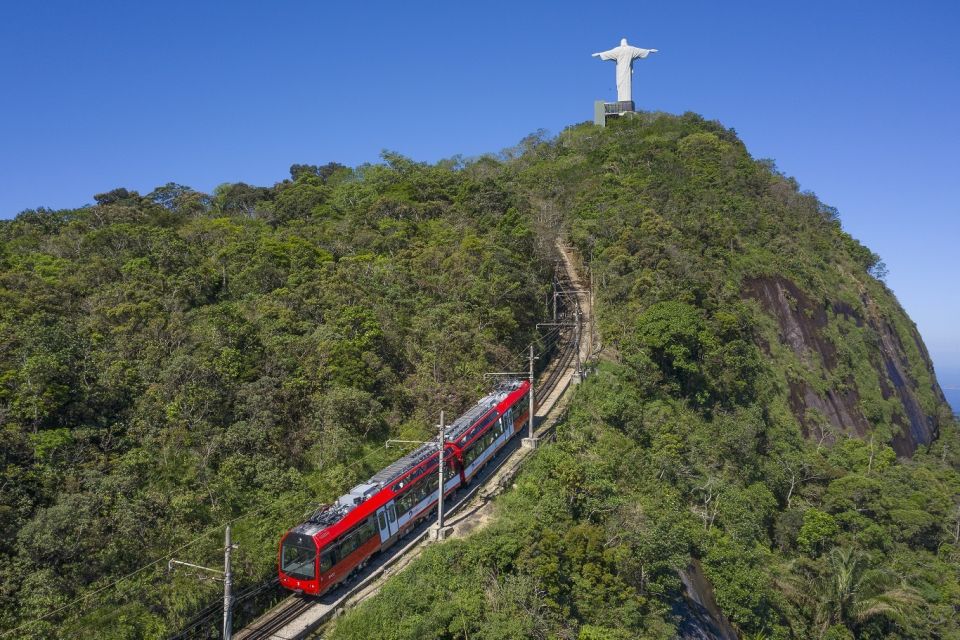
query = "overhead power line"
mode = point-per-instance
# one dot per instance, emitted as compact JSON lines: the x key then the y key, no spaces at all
{"x":166,"y":556}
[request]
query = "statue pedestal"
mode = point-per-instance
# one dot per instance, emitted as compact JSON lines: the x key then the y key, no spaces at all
{"x":604,"y":110}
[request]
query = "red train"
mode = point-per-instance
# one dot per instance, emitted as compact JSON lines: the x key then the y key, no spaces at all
{"x":340,"y":538}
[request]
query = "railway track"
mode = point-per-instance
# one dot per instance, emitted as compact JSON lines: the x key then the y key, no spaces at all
{"x":199,"y":625}
{"x":562,"y":364}
{"x":559,"y":366}
{"x":289,"y":610}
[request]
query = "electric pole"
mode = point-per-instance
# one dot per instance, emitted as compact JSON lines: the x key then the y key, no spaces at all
{"x":440,"y":499}
{"x":227,"y":585}
{"x":533,"y":400}
{"x":579,"y":371}
{"x":437,"y":531}
{"x":577,"y":329}
{"x":227,"y":582}
{"x":554,"y":299}
{"x":593,"y":303}
{"x":531,"y":441}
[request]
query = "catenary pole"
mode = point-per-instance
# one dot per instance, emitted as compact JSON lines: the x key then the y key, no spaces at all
{"x":440,"y":498}
{"x":532,"y":394}
{"x":227,"y":584}
{"x":227,"y":581}
{"x":579,"y":331}
{"x":554,"y":299}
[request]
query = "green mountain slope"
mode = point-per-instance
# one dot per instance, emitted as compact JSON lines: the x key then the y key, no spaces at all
{"x":175,"y":361}
{"x":763,"y":432}
{"x":761,"y":449}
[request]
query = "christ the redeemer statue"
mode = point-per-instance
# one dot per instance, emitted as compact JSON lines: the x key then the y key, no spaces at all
{"x":624,"y":55}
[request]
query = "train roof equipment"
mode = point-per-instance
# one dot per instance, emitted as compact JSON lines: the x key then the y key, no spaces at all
{"x":330,"y":514}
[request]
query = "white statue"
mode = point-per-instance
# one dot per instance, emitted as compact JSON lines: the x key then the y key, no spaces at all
{"x":624,"y":55}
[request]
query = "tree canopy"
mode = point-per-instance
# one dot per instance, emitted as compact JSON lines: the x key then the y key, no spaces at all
{"x":756,"y":385}
{"x":763,"y":411}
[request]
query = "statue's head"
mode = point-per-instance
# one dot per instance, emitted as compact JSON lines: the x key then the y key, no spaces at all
{"x":623,"y":42}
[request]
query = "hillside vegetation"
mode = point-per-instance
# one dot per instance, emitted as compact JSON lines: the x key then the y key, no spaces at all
{"x":763,"y":415}
{"x":175,"y":361}
{"x":763,"y":424}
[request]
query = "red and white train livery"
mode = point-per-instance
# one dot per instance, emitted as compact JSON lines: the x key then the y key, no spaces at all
{"x":340,"y":538}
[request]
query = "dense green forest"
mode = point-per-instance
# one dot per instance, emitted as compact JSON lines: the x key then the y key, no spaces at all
{"x":763,"y":412}
{"x":175,"y":361}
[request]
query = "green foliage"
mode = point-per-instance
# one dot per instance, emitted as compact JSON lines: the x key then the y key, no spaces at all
{"x":174,"y":361}
{"x":818,"y":530}
{"x":672,"y":332}
{"x":695,"y":437}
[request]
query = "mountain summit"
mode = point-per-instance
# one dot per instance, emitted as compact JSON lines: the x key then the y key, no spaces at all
{"x":762,"y":449}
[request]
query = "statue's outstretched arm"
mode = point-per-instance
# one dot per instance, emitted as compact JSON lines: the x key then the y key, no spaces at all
{"x":642,"y":53}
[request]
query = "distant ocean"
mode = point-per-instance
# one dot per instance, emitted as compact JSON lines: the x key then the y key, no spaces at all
{"x":953,"y":397}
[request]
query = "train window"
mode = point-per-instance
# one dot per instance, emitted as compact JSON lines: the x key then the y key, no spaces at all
{"x":328,"y":558}
{"x":406,"y":501}
{"x":352,"y":540}
{"x":419,"y":492}
{"x":348,"y":545}
{"x":298,"y":560}
{"x":383,"y":520}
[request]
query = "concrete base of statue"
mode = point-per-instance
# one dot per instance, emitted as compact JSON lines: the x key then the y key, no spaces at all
{"x":604,"y":110}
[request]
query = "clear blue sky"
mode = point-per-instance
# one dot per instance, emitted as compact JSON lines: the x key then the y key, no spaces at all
{"x":860,"y":101}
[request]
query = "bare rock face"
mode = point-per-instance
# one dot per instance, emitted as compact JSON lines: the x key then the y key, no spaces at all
{"x":700,"y":617}
{"x":821,"y":404}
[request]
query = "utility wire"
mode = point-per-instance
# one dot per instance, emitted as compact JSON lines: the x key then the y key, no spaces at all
{"x":516,"y":361}
{"x":169,"y":554}
{"x":522,"y":354}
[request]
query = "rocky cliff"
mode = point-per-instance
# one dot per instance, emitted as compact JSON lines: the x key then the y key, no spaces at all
{"x":894,"y":384}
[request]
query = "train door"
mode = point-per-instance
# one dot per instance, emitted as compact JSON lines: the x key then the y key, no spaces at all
{"x":392,"y":517}
{"x":507,"y":418}
{"x":387,"y":521}
{"x":382,"y":524}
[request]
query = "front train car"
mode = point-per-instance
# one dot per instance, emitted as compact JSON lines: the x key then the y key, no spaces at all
{"x":335,"y":541}
{"x":298,"y":561}
{"x":339,"y":539}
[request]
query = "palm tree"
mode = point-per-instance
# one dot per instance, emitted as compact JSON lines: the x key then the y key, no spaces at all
{"x":851,"y":593}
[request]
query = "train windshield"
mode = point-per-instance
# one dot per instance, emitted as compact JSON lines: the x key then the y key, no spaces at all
{"x":299,"y":559}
